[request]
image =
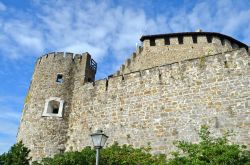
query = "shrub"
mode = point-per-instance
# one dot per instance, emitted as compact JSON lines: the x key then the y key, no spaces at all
{"x":85,"y":157}
{"x":127,"y":155}
{"x":17,"y":155}
{"x":210,"y":150}
{"x":113,"y":155}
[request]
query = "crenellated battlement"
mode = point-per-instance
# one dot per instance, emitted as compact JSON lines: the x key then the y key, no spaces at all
{"x":162,"y":49}
{"x":229,"y":60}
{"x":61,"y":56}
{"x":70,"y":61}
{"x":186,"y":38}
{"x":128,"y":65}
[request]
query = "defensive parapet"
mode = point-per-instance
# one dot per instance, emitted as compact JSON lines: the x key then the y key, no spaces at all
{"x":162,"y":104}
{"x":128,"y":66}
{"x":80,"y":61}
{"x":162,"y":49}
{"x":44,"y":121}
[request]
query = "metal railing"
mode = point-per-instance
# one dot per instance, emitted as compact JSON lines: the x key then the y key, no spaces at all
{"x":93,"y":65}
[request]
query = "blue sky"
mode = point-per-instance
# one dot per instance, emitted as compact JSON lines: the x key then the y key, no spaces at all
{"x":108,"y":30}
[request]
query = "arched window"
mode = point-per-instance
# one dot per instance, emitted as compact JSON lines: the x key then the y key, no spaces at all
{"x":53,"y":107}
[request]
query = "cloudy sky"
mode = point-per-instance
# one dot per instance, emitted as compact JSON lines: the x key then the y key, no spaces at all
{"x":108,"y":30}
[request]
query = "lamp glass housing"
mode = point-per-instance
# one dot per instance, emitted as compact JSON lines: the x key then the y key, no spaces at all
{"x":99,"y":139}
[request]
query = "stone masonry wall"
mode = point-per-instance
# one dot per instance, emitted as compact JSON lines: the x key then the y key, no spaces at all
{"x":46,"y":136}
{"x":162,"y":104}
{"x":151,"y":56}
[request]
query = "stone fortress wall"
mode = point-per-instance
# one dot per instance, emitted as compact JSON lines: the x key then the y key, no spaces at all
{"x":157,"y":50}
{"x":154,"y":104}
{"x":166,"y":103}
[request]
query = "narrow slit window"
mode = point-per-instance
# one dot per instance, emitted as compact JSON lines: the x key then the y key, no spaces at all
{"x":152,"y":42}
{"x":209,"y":39}
{"x":180,"y":39}
{"x":167,"y":41}
{"x":59,"y":78}
{"x":194,"y":39}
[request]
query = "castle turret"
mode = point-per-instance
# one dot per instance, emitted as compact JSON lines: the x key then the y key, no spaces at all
{"x":162,"y":49}
{"x":44,"y":121}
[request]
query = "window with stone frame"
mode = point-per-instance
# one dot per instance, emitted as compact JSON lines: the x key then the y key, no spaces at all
{"x":53,"y":107}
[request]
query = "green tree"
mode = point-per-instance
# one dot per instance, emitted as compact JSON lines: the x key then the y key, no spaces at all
{"x":17,"y":155}
{"x":210,"y":150}
{"x":85,"y":157}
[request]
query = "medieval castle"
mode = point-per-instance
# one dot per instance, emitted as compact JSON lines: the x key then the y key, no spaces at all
{"x":171,"y":85}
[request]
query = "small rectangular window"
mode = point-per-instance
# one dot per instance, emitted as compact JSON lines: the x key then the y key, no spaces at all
{"x":209,"y":39}
{"x":180,"y":39}
{"x":59,"y":78}
{"x":152,"y":42}
{"x":194,"y":39}
{"x":167,"y":41}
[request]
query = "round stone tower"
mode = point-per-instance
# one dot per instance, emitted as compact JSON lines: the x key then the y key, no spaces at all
{"x":44,"y":122}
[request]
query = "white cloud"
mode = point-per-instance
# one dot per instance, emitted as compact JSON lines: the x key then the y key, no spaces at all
{"x":224,"y":16}
{"x":2,"y":7}
{"x":9,"y":118}
{"x":9,"y":98}
{"x":105,"y":30}
{"x":8,"y":128}
{"x":92,"y":26}
{"x":84,"y":47}
{"x":20,"y":38}
{"x":101,"y":27}
{"x":9,"y":115}
{"x":89,"y":26}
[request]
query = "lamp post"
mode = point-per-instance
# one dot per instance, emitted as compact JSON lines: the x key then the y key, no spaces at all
{"x":99,"y":139}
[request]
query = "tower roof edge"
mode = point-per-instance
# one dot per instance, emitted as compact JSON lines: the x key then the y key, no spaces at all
{"x":155,"y":36}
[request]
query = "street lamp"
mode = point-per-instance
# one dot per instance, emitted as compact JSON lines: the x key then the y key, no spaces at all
{"x":99,"y":139}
